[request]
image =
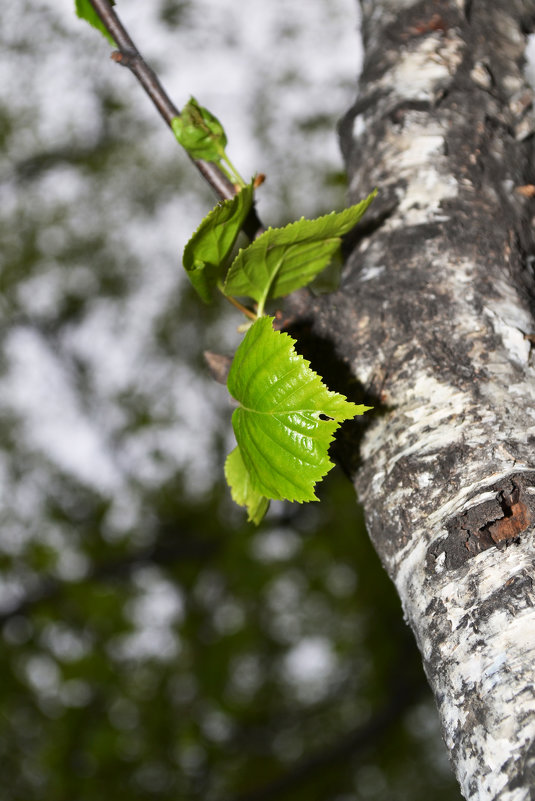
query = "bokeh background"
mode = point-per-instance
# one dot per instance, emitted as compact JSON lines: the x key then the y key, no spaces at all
{"x":152,"y":644}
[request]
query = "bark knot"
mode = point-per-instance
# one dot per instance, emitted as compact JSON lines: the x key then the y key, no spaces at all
{"x":493,"y":523}
{"x":516,"y":518}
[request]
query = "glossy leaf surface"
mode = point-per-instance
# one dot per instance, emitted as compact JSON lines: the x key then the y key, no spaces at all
{"x":207,"y":252}
{"x":287,"y":416}
{"x":284,"y":259}
{"x":199,"y":132}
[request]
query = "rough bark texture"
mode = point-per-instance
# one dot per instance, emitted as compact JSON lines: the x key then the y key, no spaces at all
{"x":435,"y":320}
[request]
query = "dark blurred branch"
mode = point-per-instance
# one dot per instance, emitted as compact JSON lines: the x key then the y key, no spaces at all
{"x":39,"y":163}
{"x":166,"y":552}
{"x":359,"y":740}
{"x":72,"y":152}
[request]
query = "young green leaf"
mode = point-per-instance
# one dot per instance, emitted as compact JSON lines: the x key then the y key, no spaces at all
{"x":287,"y":416}
{"x":199,"y":132}
{"x":242,"y":490}
{"x":85,"y":10}
{"x":328,"y":280}
{"x":284,"y":259}
{"x":206,"y":254}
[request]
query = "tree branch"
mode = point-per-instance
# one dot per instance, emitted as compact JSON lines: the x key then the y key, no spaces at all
{"x":432,"y":317}
{"x":129,"y":56}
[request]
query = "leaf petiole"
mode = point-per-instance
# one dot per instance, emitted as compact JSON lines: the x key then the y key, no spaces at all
{"x":236,"y":177}
{"x":227,"y":172}
{"x":248,"y":312}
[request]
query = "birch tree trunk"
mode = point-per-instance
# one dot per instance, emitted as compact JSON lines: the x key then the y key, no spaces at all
{"x":435,"y":319}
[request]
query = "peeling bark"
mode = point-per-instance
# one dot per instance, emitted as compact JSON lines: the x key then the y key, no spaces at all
{"x":435,"y":318}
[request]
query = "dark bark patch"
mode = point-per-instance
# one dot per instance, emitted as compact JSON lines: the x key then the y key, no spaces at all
{"x":495,"y":523}
{"x":523,"y":773}
{"x":514,"y":596}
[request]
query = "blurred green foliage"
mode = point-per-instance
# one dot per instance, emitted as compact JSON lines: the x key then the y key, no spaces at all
{"x":154,"y":646}
{"x":172,"y":670}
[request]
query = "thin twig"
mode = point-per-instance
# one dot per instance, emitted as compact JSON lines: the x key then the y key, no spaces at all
{"x":129,"y":56}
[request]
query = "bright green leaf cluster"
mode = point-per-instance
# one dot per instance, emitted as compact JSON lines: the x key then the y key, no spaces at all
{"x":85,"y":10}
{"x":284,"y":424}
{"x":280,"y":261}
{"x":287,"y":417}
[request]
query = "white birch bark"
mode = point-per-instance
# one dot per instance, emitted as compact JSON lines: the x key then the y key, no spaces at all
{"x":435,"y":319}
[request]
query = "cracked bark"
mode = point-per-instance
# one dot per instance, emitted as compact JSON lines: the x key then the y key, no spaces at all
{"x":435,"y":320}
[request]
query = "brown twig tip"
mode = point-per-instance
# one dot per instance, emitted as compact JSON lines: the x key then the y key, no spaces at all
{"x":528,"y":190}
{"x":125,"y":59}
{"x":218,"y":365}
